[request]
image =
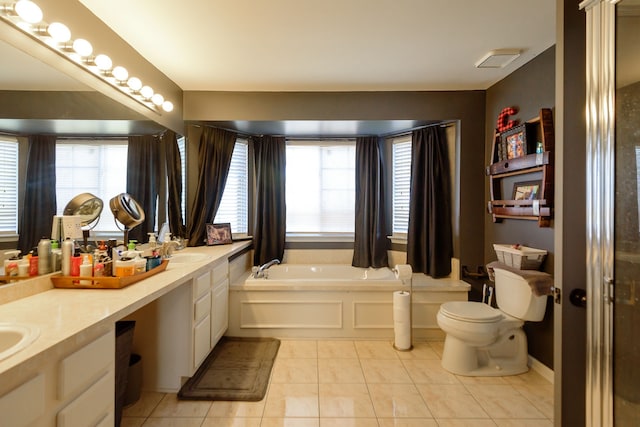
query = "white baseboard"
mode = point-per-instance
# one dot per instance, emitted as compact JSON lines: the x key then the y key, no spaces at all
{"x":540,"y":368}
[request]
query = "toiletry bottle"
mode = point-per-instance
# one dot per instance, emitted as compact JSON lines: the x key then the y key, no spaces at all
{"x":56,"y":256}
{"x":44,"y":255}
{"x":85,"y":269}
{"x":152,"y":241}
{"x":140,"y":263}
{"x":33,"y":262}
{"x":23,"y":267}
{"x":11,"y":264}
{"x":75,"y":263}
{"x":67,"y":254}
{"x":13,"y":258}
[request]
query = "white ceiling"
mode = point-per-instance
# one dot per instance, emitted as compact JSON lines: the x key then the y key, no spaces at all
{"x":329,"y":45}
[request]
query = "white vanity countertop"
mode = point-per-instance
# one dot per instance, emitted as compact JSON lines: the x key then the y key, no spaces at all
{"x":61,"y":314}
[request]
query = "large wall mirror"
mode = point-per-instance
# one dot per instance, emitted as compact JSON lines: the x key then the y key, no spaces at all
{"x":36,"y":98}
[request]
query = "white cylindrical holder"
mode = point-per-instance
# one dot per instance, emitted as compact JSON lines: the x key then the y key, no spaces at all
{"x":402,"y":320}
{"x":402,"y":310}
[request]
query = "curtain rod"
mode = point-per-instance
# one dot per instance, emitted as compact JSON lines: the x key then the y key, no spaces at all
{"x":409,"y":131}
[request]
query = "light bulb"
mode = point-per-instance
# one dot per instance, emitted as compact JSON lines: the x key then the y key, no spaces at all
{"x":103,"y":62}
{"x":28,"y":11}
{"x":82,"y":47}
{"x":59,"y":32}
{"x":120,"y":73}
{"x":134,"y":84}
{"x":167,"y":106}
{"x":146,"y":92}
{"x":157,"y":99}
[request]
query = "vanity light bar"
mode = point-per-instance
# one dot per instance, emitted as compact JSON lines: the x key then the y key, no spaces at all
{"x":28,"y":17}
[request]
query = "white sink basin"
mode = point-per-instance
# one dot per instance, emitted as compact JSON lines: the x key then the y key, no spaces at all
{"x":15,"y":337}
{"x":178,"y":258}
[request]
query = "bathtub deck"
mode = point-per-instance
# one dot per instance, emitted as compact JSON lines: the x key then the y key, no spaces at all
{"x":338,"y":309}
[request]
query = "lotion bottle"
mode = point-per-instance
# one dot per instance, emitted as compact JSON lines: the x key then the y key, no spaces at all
{"x":86,"y":270}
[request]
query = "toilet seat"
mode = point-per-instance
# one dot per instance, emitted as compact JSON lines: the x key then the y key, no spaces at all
{"x":472,"y":312}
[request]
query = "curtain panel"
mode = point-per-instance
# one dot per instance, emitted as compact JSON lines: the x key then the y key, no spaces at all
{"x":429,"y":237}
{"x":214,"y":159}
{"x":143,"y":180}
{"x":269,"y":230}
{"x":40,"y":192}
{"x":174,"y":183}
{"x":370,"y":244}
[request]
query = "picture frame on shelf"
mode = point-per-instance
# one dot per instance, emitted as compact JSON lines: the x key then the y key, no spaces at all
{"x":527,"y":190}
{"x":514,"y":141}
{"x":219,"y":234}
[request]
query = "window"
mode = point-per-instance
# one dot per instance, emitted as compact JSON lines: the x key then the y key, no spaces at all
{"x":234,"y":207}
{"x":96,"y":167}
{"x":8,"y":186}
{"x":320,"y":187}
{"x":401,"y":166}
{"x":182,"y":149}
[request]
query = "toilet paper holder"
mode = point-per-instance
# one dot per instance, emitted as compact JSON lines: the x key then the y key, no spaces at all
{"x":404,"y":272}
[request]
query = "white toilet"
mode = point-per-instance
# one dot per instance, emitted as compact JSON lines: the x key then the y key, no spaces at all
{"x":484,"y":341}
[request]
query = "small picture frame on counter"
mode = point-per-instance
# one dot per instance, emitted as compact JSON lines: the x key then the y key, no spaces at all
{"x":219,"y":234}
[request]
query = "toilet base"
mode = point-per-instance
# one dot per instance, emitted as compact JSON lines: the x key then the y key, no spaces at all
{"x":507,"y":356}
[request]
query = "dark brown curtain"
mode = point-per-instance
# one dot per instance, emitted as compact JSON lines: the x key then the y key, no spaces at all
{"x":174,"y":183}
{"x":40,"y":192}
{"x":429,"y":238}
{"x":270,"y":209}
{"x":370,"y":245}
{"x":143,"y":180}
{"x":214,"y":158}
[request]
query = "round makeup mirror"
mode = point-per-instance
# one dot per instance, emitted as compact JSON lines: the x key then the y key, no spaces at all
{"x":127,"y":212}
{"x":87,"y":206}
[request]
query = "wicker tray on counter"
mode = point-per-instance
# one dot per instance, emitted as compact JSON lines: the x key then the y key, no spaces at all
{"x":73,"y":282}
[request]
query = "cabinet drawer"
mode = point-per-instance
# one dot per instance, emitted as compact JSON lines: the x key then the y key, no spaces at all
{"x":23,"y":405}
{"x":202,"y":307}
{"x":91,"y":407}
{"x":220,"y":272}
{"x":85,"y":365}
{"x":201,"y":285}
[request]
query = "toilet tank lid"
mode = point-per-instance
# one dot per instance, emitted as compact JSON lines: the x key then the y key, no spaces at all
{"x":471,"y":311}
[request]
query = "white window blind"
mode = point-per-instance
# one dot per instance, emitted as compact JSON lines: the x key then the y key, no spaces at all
{"x":320,"y":187}
{"x":96,"y":167}
{"x":8,"y":186}
{"x":401,"y":153}
{"x":234,"y":207}
{"x":182,"y":149}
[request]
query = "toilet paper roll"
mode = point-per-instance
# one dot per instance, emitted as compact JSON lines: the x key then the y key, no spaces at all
{"x":403,"y":271}
{"x":402,"y":320}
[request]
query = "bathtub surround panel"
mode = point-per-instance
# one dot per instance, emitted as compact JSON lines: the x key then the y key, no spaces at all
{"x":334,"y":306}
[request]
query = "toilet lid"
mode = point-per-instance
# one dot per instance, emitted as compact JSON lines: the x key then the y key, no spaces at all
{"x":471,"y":311}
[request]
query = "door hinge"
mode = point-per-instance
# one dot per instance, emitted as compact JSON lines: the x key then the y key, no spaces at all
{"x":557,"y":295}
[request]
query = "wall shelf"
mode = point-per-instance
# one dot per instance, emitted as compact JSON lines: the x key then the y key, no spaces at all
{"x":535,"y":169}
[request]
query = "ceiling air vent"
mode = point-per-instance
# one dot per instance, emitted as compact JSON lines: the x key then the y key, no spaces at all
{"x":498,"y":58}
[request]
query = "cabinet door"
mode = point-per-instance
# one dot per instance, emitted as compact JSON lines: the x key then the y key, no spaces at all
{"x":220,"y":311}
{"x":201,"y":340}
{"x":25,"y":404}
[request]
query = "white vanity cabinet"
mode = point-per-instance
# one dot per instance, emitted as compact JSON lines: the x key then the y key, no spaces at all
{"x":176,"y":332}
{"x":74,"y":389}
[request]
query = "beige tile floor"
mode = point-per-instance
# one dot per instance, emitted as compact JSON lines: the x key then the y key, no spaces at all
{"x":328,"y":383}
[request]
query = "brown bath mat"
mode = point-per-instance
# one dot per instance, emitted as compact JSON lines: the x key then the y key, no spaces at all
{"x":236,"y":369}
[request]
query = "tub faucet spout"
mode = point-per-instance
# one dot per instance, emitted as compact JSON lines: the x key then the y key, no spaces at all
{"x":263,"y":268}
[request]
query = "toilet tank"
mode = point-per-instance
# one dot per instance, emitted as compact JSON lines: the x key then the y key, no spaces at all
{"x":515,"y":297}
